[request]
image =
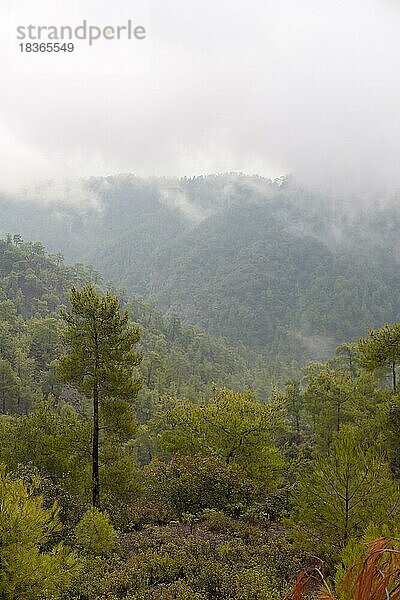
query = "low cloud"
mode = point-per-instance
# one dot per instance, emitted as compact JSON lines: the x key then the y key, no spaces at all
{"x":309,"y":88}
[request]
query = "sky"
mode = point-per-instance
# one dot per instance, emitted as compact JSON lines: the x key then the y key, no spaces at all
{"x":309,"y":87}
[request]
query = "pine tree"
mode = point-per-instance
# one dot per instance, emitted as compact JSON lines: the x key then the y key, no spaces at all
{"x":294,"y":400}
{"x":342,"y":493}
{"x":95,"y":533}
{"x":9,"y":387}
{"x":28,"y":572}
{"x":381,"y":349}
{"x":101,"y":360}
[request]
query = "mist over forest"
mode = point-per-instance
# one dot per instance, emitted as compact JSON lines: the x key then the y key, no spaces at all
{"x":199,"y":300}
{"x":285,"y":271}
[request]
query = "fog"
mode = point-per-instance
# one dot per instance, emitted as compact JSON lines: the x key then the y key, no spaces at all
{"x":269,"y":87}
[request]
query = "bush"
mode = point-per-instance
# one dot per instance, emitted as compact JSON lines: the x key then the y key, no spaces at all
{"x":148,"y":511}
{"x":179,"y":590}
{"x":253,"y":584}
{"x":193,"y":483}
{"x":28,"y":571}
{"x":95,"y":534}
{"x":168,"y":563}
{"x":218,"y":521}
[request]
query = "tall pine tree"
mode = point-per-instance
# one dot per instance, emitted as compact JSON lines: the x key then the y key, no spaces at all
{"x":101,"y":359}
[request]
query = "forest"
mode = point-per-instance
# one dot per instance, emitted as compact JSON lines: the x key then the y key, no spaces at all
{"x":143,"y":458}
{"x":288,"y":273}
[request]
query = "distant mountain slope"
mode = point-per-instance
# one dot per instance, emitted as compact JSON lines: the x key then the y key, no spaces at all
{"x":177,"y":359}
{"x":263,"y":263}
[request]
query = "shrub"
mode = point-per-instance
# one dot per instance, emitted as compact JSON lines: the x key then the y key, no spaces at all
{"x":192,"y":483}
{"x":28,"y":571}
{"x":218,"y":521}
{"x":95,"y":534}
{"x":179,"y":590}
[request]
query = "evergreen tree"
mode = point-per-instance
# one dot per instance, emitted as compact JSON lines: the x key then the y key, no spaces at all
{"x":381,"y":349}
{"x":95,"y":533}
{"x":342,"y":493}
{"x":294,"y":400}
{"x":335,"y":397}
{"x":9,"y":387}
{"x":101,"y":359}
{"x":27,"y":571}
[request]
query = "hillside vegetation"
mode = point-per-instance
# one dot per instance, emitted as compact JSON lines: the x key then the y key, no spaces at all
{"x":140,"y":458}
{"x":265,"y":264}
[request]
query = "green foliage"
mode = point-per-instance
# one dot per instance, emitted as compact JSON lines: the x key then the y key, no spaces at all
{"x":342,"y":493}
{"x":101,"y":361}
{"x":390,"y":424}
{"x":179,"y":590}
{"x":33,"y":287}
{"x":233,"y":426}
{"x":170,"y":562}
{"x":348,"y":358}
{"x":334,"y":397}
{"x":95,"y":533}
{"x":192,"y":483}
{"x":225,"y":464}
{"x":381,"y":349}
{"x":222,"y":523}
{"x":283,"y":271}
{"x":28,"y":571}
{"x":58,"y":444}
{"x":9,"y":387}
{"x":178,"y":359}
{"x":294,"y":401}
{"x":55,"y":442}
{"x":101,"y":346}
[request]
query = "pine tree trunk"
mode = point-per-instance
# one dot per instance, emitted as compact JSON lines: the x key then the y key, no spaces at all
{"x":95,"y":450}
{"x":394,"y":375}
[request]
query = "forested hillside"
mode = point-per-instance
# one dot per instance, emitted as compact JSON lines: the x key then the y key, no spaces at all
{"x":141,"y":459}
{"x":177,"y":359}
{"x":266,"y":264}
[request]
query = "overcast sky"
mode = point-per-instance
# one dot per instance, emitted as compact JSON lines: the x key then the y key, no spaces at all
{"x":267,"y":86}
